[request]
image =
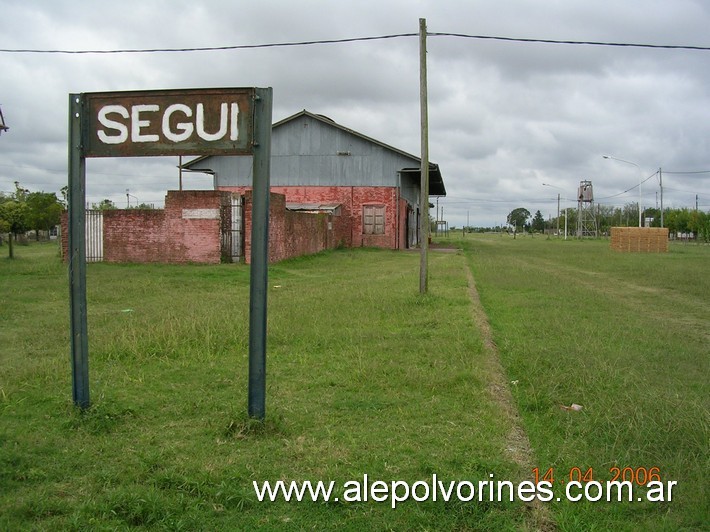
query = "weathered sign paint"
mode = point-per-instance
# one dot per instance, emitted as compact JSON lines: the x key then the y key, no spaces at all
{"x":175,"y":122}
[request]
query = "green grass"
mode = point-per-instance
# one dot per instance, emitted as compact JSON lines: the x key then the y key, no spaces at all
{"x":625,"y":335}
{"x":364,"y":376}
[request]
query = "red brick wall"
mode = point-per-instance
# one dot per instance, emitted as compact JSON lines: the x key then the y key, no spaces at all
{"x":187,"y":230}
{"x":192,"y":238}
{"x":135,"y":235}
{"x":65,"y":235}
{"x":291,"y":233}
{"x":352,"y":200}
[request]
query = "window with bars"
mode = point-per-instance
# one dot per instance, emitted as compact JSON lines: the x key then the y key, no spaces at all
{"x":373,"y":219}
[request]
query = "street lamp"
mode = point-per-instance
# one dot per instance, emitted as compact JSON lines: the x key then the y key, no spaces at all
{"x":640,"y":176}
{"x":128,"y":199}
{"x":558,"y":209}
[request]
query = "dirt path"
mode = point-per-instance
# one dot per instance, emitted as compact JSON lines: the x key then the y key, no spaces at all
{"x":517,"y":444}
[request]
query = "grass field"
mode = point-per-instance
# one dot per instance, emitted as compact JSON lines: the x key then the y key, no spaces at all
{"x":625,"y":335}
{"x":365,"y":376}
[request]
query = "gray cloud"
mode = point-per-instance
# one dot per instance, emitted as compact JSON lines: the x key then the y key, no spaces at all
{"x":504,"y":117}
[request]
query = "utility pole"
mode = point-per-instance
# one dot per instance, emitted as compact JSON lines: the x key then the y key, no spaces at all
{"x":660,"y":182}
{"x":424,"y":199}
{"x":180,"y":172}
{"x":437,"y":216}
{"x":558,"y":215}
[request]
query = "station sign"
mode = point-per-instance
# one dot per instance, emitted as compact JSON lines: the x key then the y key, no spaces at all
{"x":170,"y":122}
{"x":234,"y":121}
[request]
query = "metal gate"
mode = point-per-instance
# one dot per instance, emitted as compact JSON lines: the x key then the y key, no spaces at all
{"x":94,"y":235}
{"x":233,"y":230}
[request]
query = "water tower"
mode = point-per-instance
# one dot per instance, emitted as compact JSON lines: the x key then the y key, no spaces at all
{"x":586,"y":220}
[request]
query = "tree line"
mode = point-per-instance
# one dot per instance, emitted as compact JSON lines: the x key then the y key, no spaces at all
{"x":677,"y":220}
{"x":23,"y":211}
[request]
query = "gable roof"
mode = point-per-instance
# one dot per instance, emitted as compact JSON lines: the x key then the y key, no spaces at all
{"x":436,"y":182}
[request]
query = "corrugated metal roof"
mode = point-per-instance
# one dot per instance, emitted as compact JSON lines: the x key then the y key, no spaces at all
{"x":331,"y":122}
{"x":313,"y":207}
{"x":436,"y":181}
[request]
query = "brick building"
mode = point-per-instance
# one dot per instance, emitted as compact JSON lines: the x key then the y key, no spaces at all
{"x":321,"y":166}
{"x":330,"y":187}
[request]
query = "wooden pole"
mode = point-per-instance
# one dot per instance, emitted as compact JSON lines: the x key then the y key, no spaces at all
{"x":424,"y":199}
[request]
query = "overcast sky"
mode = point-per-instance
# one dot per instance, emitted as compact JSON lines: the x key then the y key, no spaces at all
{"x":504,"y":117}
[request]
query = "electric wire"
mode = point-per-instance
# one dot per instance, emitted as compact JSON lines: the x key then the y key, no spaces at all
{"x":630,"y":189}
{"x":206,"y":48}
{"x":584,"y":43}
{"x":687,"y":173}
{"x":349,"y":40}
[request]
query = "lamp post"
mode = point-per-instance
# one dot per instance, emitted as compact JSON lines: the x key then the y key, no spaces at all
{"x":639,"y":169}
{"x":558,"y":209}
{"x":128,"y":199}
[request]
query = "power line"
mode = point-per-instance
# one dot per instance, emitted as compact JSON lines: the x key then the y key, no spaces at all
{"x":686,"y":173}
{"x":585,"y":43}
{"x":629,"y":189}
{"x":207,"y":48}
{"x":349,"y":40}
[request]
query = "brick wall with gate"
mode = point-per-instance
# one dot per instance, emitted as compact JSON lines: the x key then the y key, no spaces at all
{"x":196,"y":227}
{"x":187,"y":230}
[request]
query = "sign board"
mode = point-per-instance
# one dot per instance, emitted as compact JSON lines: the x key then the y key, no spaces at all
{"x":169,"y":122}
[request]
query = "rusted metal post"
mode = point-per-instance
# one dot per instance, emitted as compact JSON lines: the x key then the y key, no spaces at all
{"x":259,"y":253}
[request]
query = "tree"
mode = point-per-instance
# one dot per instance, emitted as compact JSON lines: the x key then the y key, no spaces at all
{"x":699,"y":225}
{"x":630,"y":215}
{"x":13,"y":218}
{"x":20,"y":193}
{"x":104,"y":205}
{"x":678,"y":220}
{"x":703,"y":226}
{"x":607,"y":217}
{"x":518,"y":218}
{"x":45,"y":211}
{"x":538,"y":223}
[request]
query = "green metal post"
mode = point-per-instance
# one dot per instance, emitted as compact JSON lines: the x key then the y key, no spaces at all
{"x":259,"y":253}
{"x":79,"y":338}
